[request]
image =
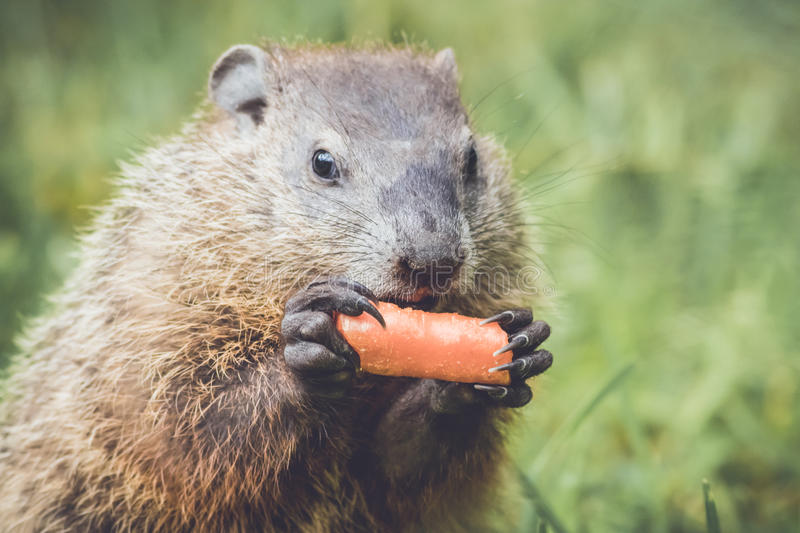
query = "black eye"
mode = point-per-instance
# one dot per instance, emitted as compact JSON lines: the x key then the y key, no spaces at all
{"x":324,"y":165}
{"x":471,"y":168}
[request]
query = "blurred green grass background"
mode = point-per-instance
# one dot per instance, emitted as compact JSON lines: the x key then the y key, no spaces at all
{"x":659,"y":139}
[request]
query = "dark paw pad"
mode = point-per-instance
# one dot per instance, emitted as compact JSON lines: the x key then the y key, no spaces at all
{"x":315,"y":349}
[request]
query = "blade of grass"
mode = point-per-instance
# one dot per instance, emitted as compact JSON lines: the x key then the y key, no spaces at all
{"x":576,"y":418}
{"x":712,"y":519}
{"x":542,"y":527}
{"x":543,"y":508}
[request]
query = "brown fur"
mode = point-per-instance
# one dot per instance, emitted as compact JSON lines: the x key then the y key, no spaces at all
{"x":155,"y":397}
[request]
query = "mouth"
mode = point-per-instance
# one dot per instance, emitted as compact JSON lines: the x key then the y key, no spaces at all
{"x":423,"y":299}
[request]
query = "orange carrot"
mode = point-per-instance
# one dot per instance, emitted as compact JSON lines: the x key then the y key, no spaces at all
{"x":417,"y":344}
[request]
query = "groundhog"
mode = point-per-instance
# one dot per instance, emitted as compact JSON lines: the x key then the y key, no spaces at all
{"x":189,"y":375}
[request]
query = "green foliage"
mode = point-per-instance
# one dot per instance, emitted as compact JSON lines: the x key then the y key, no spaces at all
{"x":712,"y":519}
{"x":659,"y":141}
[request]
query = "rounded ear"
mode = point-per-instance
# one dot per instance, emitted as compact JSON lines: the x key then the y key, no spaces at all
{"x":238,"y":84}
{"x":445,"y":61}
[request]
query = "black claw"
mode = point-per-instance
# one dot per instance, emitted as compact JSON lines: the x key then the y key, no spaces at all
{"x":365,"y":305}
{"x":362,"y":289}
{"x":514,"y":366}
{"x":518,"y":341}
{"x":511,"y":320}
{"x":349,"y":284}
{"x":527,"y":366}
{"x":495,"y":391}
{"x":500,"y":318}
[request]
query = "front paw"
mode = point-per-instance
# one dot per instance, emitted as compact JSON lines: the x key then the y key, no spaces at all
{"x":524,"y":337}
{"x":315,"y":350}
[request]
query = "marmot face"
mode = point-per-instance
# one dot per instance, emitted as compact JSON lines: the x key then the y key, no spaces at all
{"x":381,"y":178}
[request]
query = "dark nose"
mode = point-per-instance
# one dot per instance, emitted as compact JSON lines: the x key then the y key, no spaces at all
{"x":430,"y":269}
